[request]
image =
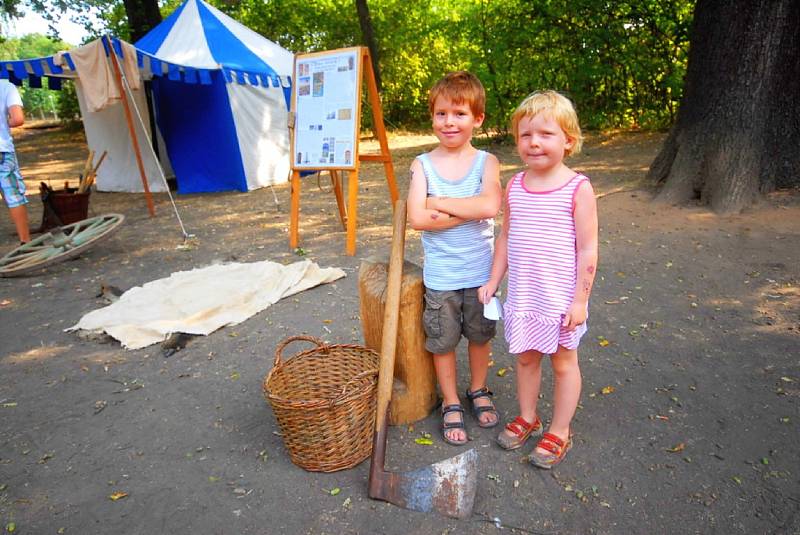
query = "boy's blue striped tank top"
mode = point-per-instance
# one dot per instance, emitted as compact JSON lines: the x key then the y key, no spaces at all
{"x":458,"y":257}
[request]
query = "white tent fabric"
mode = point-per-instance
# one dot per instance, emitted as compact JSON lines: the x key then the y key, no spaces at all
{"x":106,"y":130}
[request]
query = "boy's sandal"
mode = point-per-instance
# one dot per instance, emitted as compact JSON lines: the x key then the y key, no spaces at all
{"x":446,"y":426}
{"x":556,"y":447}
{"x":520,"y":430}
{"x":477,"y":410}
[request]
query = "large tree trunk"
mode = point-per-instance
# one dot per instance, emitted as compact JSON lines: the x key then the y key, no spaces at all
{"x":143,"y":16}
{"x":737,"y":134}
{"x":369,"y":37}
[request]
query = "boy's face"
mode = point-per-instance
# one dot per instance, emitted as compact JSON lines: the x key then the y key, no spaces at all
{"x":453,"y":123}
{"x":541,"y":143}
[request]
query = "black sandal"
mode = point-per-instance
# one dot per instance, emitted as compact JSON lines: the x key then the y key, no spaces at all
{"x":446,"y":426}
{"x":477,"y":410}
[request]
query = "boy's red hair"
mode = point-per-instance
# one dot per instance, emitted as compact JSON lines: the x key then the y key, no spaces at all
{"x":460,"y":87}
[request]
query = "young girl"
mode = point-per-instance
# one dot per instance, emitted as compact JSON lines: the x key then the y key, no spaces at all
{"x":548,"y":245}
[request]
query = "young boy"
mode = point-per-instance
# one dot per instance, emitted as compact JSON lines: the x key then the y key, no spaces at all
{"x":453,"y":197}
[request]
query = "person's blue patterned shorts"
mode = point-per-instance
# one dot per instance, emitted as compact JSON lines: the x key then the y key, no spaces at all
{"x":11,"y":182}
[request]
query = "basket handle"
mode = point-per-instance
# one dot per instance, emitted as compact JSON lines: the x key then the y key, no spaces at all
{"x":347,"y":385}
{"x":298,"y":337}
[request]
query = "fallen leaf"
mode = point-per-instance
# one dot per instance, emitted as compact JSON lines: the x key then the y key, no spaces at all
{"x":603,"y":342}
{"x":607,"y":389}
{"x":100,"y":405}
{"x":9,"y":405}
{"x":213,"y":479}
{"x":737,"y":480}
{"x":501,"y":372}
{"x":335,"y":491}
{"x":422,"y":441}
{"x":677,"y":448}
{"x":5,"y":302}
{"x":11,"y":527}
{"x":234,"y":376}
{"x":114,"y":496}
{"x":787,"y":379}
{"x":327,"y":321}
{"x":614,"y":302}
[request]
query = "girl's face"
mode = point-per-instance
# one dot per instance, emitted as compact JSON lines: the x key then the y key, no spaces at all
{"x":541,"y":143}
{"x":453,"y":123}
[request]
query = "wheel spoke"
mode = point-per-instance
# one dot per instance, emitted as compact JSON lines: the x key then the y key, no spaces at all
{"x":51,"y":248}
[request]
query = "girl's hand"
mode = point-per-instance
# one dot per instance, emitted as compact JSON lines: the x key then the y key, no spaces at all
{"x":576,"y":315}
{"x":486,"y":292}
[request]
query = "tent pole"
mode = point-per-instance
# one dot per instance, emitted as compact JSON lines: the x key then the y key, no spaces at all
{"x":131,"y":129}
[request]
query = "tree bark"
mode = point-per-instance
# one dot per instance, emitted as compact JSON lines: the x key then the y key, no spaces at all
{"x":737,"y":134}
{"x":143,"y":16}
{"x":369,"y":37}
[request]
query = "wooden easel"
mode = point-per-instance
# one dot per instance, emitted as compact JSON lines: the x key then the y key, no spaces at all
{"x":348,"y":212}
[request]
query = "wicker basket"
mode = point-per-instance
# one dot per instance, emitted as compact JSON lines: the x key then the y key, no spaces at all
{"x":324,"y":400}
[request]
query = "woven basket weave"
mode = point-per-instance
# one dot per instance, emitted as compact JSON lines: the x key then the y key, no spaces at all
{"x":324,"y":400}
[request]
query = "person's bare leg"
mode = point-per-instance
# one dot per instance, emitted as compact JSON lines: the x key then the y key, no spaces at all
{"x":19,"y":216}
{"x":479,"y":369}
{"x":529,"y":381}
{"x":566,"y":391}
{"x":445,"y":366}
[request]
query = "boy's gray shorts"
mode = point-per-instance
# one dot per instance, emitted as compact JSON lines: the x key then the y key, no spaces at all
{"x":451,"y":313}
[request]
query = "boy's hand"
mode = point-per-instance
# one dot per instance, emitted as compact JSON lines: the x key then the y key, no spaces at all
{"x":486,"y":292}
{"x":576,"y":315}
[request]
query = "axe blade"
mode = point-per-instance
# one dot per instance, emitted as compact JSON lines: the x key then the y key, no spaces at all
{"x":447,"y":487}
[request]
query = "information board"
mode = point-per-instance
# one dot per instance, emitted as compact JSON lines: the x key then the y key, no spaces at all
{"x":326,"y":108}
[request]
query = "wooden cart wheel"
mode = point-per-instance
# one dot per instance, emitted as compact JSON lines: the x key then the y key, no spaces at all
{"x":59,"y":244}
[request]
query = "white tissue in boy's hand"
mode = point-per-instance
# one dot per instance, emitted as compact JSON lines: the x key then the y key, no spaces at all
{"x":493,"y":310}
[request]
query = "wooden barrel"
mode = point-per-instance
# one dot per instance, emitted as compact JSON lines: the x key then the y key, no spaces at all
{"x":414,"y":390}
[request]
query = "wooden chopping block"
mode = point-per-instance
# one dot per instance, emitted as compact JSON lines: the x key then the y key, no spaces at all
{"x":414,"y":389}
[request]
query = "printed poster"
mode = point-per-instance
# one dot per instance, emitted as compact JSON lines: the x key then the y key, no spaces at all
{"x":326,"y":107}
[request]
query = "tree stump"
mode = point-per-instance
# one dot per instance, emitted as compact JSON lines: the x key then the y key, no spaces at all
{"x":414,"y":389}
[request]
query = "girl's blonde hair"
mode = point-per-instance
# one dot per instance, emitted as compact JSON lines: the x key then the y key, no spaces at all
{"x":556,"y":106}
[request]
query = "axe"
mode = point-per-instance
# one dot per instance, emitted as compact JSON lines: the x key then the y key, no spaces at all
{"x":448,"y":486}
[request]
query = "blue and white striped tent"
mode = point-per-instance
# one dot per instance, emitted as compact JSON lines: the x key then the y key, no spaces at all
{"x":221,"y":95}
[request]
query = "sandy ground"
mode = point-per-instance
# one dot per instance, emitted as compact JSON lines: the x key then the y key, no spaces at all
{"x":688,"y":418}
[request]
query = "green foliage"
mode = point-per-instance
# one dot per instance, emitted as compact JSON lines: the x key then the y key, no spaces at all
{"x":622,"y":62}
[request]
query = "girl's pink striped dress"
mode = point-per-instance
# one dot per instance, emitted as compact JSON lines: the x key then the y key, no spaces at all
{"x":541,"y":267}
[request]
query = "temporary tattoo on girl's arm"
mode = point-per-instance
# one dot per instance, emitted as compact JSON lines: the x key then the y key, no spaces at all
{"x":590,"y":270}
{"x":587,"y":286}
{"x":435,"y":215}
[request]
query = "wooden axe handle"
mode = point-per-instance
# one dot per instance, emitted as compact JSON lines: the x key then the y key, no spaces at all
{"x":391,"y":315}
